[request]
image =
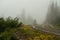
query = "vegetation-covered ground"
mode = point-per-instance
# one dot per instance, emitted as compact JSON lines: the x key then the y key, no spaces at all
{"x":26,"y":33}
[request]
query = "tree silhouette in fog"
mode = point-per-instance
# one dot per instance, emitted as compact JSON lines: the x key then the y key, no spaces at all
{"x":53,"y":15}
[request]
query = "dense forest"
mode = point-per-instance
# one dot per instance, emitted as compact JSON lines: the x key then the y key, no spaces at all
{"x":53,"y":14}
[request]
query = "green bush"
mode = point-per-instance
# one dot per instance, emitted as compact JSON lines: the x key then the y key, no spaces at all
{"x":9,"y":23}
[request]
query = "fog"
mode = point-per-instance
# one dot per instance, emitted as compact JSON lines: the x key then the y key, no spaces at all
{"x":36,"y":8}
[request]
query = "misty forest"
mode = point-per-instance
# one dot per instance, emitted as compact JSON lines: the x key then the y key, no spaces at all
{"x":24,"y":27}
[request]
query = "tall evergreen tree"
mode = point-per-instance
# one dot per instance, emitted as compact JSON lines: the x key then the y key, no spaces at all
{"x":53,"y":16}
{"x":30,"y":20}
{"x":23,"y":16}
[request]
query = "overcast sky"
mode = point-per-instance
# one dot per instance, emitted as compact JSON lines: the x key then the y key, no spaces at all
{"x":36,"y":8}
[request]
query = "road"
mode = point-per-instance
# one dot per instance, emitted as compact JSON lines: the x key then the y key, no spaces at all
{"x":48,"y":30}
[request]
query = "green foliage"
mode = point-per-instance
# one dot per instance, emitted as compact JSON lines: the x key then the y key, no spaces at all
{"x":9,"y":23}
{"x":8,"y":34}
{"x":8,"y":26}
{"x":2,"y":24}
